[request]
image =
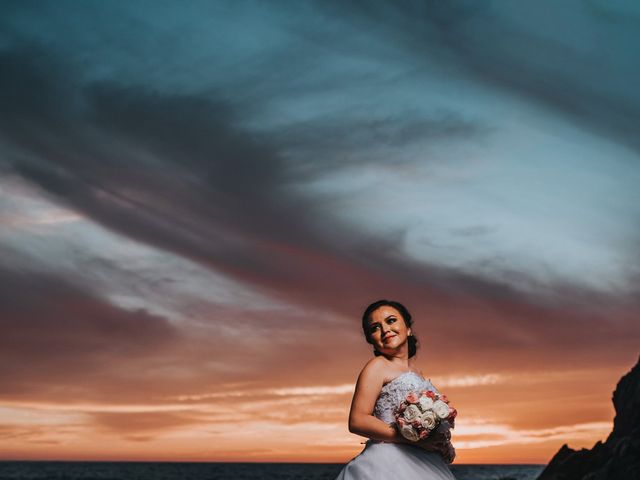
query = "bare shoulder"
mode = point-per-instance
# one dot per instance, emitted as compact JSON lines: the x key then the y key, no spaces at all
{"x":373,"y":366}
{"x":370,"y":381}
{"x":367,"y":390}
{"x":378,"y":362}
{"x":373,"y":371}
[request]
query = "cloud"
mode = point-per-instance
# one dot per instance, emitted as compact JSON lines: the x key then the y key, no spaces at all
{"x":477,"y":435}
{"x":177,"y":173}
{"x":59,"y":335}
{"x":471,"y":380}
{"x":191,"y":174}
{"x":238,"y":153}
{"x":492,"y":44}
{"x":143,"y":426}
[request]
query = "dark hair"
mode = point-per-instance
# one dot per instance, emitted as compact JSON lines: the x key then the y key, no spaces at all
{"x":406,"y":316}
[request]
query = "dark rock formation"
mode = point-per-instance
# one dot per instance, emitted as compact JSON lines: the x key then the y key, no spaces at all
{"x":618,"y":458}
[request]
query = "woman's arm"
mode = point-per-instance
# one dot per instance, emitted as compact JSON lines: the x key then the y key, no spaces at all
{"x":361,"y":419}
{"x":362,"y":422}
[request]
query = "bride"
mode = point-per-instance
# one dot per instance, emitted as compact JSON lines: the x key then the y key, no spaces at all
{"x":382,"y":384}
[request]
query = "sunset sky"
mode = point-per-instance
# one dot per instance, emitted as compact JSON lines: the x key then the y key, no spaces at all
{"x":198,"y":200}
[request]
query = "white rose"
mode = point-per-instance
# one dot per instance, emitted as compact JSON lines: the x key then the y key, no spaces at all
{"x":426,"y":403}
{"x":411,"y":413}
{"x":409,"y":433}
{"x":442,"y":409}
{"x":428,"y":419}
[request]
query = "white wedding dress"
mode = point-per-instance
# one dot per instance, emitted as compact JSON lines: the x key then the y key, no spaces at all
{"x":385,"y":460}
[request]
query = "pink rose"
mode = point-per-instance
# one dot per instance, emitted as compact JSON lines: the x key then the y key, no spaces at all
{"x":452,"y":414}
{"x":401,"y":422}
{"x":444,"y":398}
{"x":412,"y":397}
{"x":424,"y":434}
{"x":431,"y":395}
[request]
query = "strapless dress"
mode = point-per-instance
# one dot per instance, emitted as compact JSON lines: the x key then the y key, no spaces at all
{"x":387,"y":460}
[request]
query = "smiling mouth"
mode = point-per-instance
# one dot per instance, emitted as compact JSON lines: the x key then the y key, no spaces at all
{"x":388,"y":337}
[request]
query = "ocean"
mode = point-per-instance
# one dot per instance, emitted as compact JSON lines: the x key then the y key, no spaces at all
{"x":226,"y":471}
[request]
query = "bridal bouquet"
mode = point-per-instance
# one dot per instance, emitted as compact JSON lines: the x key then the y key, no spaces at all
{"x":421,"y":413}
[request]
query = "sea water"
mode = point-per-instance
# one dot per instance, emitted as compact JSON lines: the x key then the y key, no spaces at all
{"x":226,"y":471}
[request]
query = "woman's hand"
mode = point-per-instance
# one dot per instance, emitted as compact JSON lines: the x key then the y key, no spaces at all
{"x":443,"y":447}
{"x":439,"y":441}
{"x":449,"y":453}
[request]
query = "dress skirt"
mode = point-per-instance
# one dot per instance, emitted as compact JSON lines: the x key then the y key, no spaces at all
{"x":386,"y":460}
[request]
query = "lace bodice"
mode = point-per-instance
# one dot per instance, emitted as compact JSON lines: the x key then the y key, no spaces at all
{"x":395,"y":391}
{"x":392,"y":458}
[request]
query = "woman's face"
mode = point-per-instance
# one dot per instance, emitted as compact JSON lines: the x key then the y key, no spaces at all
{"x":387,"y":329}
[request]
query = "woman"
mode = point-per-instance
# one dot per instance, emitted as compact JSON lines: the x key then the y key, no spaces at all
{"x":382,"y":384}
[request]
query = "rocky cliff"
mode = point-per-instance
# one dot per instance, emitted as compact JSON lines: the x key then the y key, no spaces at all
{"x":618,"y":458}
